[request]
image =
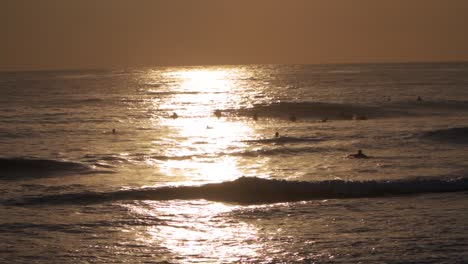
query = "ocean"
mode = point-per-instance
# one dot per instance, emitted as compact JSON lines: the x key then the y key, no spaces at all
{"x":182,"y":164}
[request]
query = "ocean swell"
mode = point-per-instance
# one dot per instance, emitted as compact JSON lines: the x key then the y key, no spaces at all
{"x":452,"y":135}
{"x":343,"y":111}
{"x":23,"y":168}
{"x":285,"y":139}
{"x":315,"y":110}
{"x":252,"y":190}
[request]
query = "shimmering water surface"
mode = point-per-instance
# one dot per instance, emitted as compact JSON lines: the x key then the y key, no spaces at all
{"x":73,"y":191}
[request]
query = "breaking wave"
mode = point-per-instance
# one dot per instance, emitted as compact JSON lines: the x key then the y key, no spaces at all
{"x":252,"y":190}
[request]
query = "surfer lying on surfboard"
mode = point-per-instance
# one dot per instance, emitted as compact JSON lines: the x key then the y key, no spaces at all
{"x":358,"y":155}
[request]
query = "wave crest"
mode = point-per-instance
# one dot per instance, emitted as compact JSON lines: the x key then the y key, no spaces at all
{"x":22,"y":168}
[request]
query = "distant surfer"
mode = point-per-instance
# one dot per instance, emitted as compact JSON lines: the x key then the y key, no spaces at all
{"x":359,"y":117}
{"x":174,"y":115}
{"x":276,"y":134}
{"x":358,"y":155}
{"x":255,"y":116}
{"x":113,"y":131}
{"x":292,"y":118}
{"x":217,"y":113}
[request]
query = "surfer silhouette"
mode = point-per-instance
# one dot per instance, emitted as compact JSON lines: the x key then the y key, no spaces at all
{"x":174,"y":115}
{"x":358,"y":155}
{"x":292,"y":118}
{"x":277,"y":134}
{"x":113,"y":131}
{"x":255,"y":116}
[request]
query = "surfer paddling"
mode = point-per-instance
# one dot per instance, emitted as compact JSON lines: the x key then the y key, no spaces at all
{"x":255,"y":116}
{"x":358,"y":155}
{"x":292,"y":118}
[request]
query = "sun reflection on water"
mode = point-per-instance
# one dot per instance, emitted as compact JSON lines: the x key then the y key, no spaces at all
{"x":199,"y":230}
{"x":197,"y":143}
{"x":197,"y":92}
{"x":197,"y":147}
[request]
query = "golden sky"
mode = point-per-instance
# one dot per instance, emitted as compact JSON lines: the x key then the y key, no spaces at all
{"x":72,"y":34}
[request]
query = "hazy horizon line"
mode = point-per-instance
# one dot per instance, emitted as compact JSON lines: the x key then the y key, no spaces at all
{"x":123,"y":68}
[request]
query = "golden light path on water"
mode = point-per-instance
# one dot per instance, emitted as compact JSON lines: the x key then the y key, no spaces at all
{"x":201,"y":140}
{"x":199,"y":230}
{"x":200,"y":91}
{"x":197,"y":136}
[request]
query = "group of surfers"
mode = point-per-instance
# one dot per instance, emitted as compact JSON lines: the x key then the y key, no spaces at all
{"x":358,"y":155}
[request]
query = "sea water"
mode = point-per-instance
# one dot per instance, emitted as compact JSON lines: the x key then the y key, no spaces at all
{"x":182,"y":165}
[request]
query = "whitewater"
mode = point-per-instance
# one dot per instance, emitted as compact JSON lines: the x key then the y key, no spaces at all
{"x":182,"y":164}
